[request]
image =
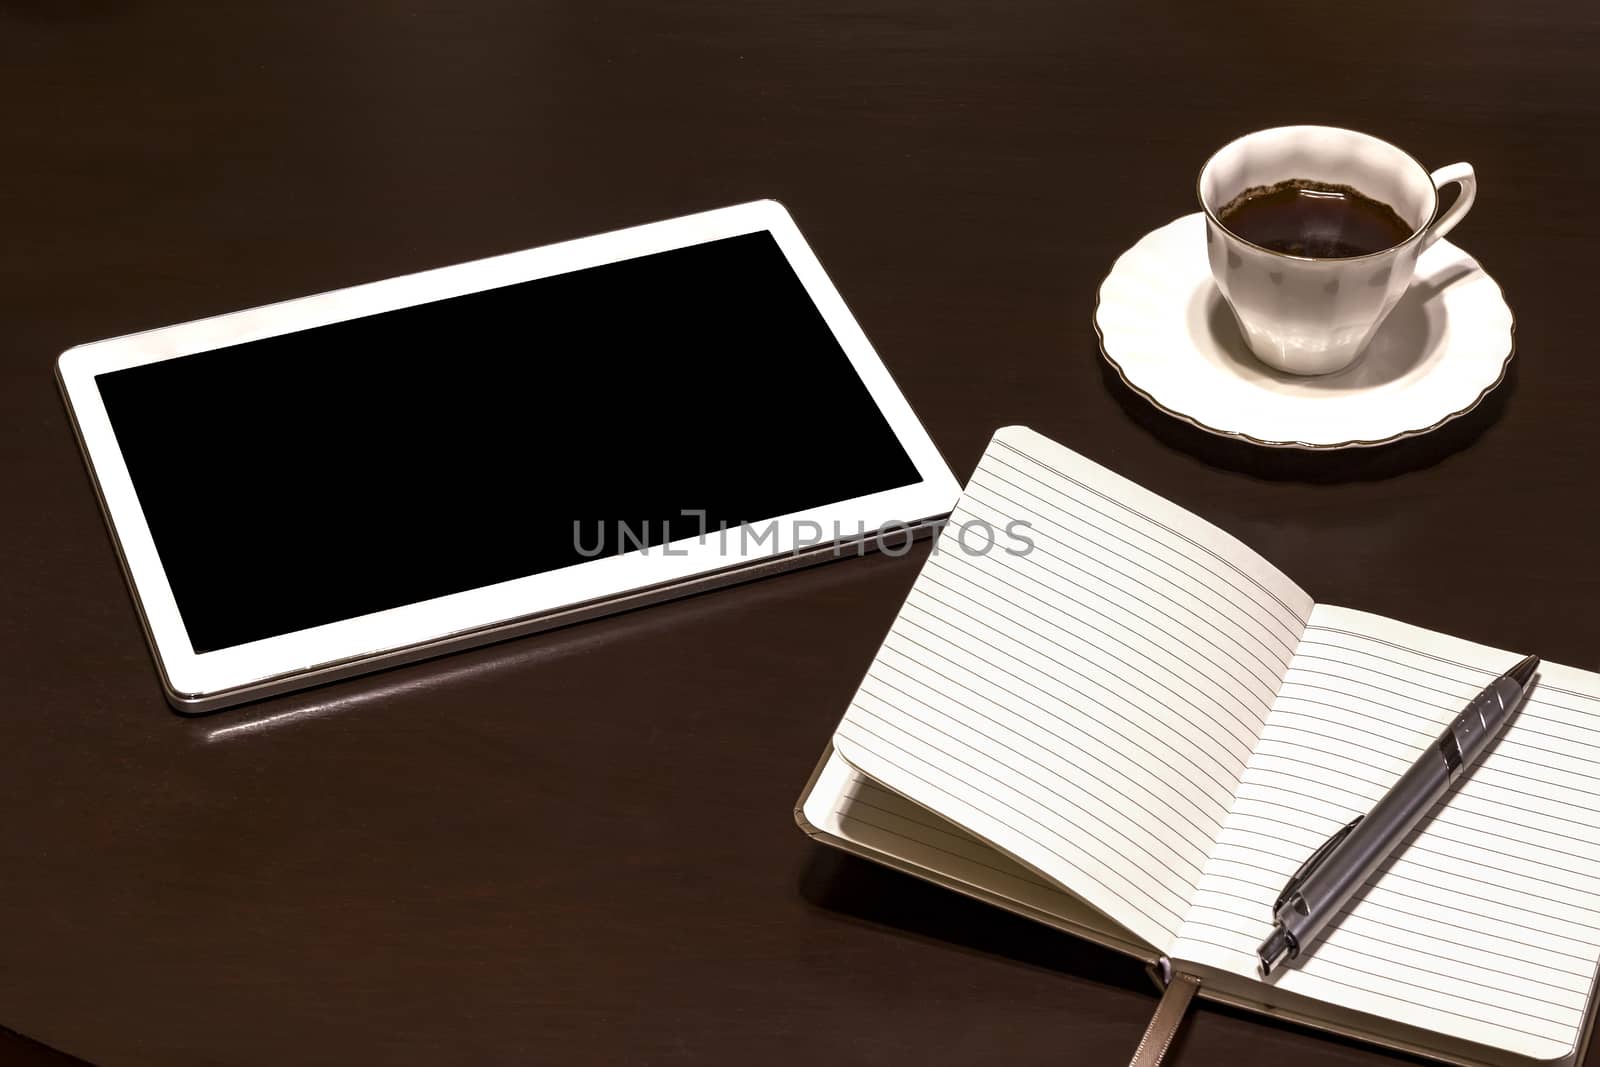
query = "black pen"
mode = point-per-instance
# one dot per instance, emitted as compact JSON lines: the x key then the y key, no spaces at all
{"x":1343,"y":863}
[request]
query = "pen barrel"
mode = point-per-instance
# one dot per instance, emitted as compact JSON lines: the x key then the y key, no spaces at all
{"x":1478,"y":724}
{"x":1346,"y":869}
{"x":1342,"y":873}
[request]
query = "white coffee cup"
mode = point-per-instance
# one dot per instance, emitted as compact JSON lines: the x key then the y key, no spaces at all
{"x":1315,"y":316}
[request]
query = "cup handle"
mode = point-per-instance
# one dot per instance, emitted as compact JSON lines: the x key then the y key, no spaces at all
{"x":1462,"y":175}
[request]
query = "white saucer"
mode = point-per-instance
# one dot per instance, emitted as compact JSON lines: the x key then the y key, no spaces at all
{"x":1166,"y":330}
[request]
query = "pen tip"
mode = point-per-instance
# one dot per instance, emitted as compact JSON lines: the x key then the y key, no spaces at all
{"x":1522,"y":673}
{"x":1274,"y":950}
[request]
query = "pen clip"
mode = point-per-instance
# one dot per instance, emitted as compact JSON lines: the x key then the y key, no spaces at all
{"x":1313,"y":862}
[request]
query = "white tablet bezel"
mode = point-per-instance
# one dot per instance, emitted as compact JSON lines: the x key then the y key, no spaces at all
{"x":194,"y":679}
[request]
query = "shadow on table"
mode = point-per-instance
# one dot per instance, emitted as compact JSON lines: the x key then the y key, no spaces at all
{"x":18,"y":1050}
{"x":374,"y":689}
{"x":1344,"y":465}
{"x":755,"y":595}
{"x":62,"y":10}
{"x":853,"y":889}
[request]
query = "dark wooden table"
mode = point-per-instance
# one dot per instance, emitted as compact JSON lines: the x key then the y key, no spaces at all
{"x":578,"y":847}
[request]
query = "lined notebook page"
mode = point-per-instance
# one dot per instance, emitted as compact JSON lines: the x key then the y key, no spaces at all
{"x":1088,"y":706}
{"x":847,"y":805}
{"x":1486,"y":925}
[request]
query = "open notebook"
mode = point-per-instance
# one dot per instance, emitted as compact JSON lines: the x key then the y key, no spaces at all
{"x":1137,"y":730}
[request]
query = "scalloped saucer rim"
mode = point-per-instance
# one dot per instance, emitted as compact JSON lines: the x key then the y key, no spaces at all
{"x":1158,"y":309}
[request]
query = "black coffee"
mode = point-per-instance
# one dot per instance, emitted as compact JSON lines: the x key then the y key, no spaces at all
{"x":1307,"y":218}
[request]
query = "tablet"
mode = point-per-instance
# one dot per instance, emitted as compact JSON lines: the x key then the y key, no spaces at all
{"x":346,"y":481}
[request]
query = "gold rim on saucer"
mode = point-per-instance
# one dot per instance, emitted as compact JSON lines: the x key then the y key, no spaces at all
{"x":1223,"y":431}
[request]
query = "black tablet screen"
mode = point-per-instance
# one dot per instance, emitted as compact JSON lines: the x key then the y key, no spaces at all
{"x":368,"y":464}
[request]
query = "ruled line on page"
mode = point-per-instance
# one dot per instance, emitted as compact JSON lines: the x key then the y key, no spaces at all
{"x":845,"y":804}
{"x":1067,"y":549}
{"x":1550,"y":694}
{"x":1509,"y":805}
{"x":1410,"y":863}
{"x":1559,"y":935}
{"x":1071,"y":584}
{"x":1093,"y":879}
{"x":1116,"y":853}
{"x":1158,"y":734}
{"x":875,"y":809}
{"x":1433,"y":846}
{"x":1447,"y":934}
{"x":1299,"y":613}
{"x":1066,"y":788}
{"x":1367,"y":692}
{"x":1089,"y":706}
{"x":1264,"y":619}
{"x":1171,"y":678}
{"x":1046,"y":673}
{"x":1557,"y":1004}
{"x":1460,"y":1019}
{"x":1485,"y":923}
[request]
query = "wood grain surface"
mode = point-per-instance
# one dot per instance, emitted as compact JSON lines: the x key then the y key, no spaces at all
{"x":578,"y":847}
